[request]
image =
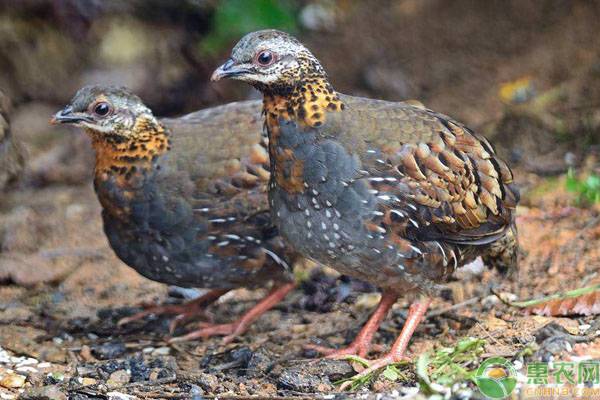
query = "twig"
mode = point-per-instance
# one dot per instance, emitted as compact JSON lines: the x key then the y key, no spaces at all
{"x":454,"y":307}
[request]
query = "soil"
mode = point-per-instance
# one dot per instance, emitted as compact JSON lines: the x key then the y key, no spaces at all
{"x":63,"y":290}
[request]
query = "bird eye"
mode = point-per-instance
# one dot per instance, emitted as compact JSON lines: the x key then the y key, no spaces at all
{"x":265,"y":58}
{"x":102,"y":109}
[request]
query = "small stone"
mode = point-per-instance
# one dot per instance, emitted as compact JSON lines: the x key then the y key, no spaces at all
{"x":12,"y":381}
{"x":88,"y":381}
{"x":154,"y":374}
{"x":207,"y":382}
{"x":49,"y":392}
{"x":299,"y":328}
{"x":109,"y":351}
{"x":86,"y":353}
{"x":118,"y":378}
{"x":27,"y":369}
{"x":161,"y":351}
{"x":367,"y":301}
{"x":119,"y":396}
{"x":584,"y":328}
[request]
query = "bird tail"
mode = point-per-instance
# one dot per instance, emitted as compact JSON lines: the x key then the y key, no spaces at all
{"x":503,"y":253}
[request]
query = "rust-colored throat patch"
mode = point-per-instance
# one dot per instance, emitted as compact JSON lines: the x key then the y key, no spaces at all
{"x":125,"y":152}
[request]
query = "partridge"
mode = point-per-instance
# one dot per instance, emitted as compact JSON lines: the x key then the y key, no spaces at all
{"x":184,"y":200}
{"x":388,"y":192}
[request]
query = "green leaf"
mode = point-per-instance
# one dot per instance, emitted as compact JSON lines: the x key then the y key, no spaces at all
{"x":422,"y":365}
{"x":391,"y":374}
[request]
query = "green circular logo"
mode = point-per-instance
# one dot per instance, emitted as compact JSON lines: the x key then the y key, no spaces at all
{"x":496,"y":378}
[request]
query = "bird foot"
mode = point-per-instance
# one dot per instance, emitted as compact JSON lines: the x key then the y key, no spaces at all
{"x":230,"y":331}
{"x":373,"y":366}
{"x":234,"y":329}
{"x":182,"y":312}
{"x":354,"y":349}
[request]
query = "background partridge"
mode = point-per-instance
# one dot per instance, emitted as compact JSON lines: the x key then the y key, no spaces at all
{"x":184,"y":200}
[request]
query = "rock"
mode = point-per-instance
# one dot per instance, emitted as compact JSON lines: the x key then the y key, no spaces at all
{"x":161,"y":351}
{"x":207,"y":382}
{"x":260,"y":364}
{"x":12,"y":381}
{"x":310,"y":377}
{"x":88,"y":381}
{"x":86,"y":353}
{"x":367,"y":301}
{"x":118,"y":378}
{"x":108,"y":351}
{"x":49,"y":392}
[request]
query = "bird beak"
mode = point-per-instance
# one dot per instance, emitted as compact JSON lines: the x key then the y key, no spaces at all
{"x":227,"y":70}
{"x":67,"y":116}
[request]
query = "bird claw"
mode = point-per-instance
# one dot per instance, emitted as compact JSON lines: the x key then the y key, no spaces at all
{"x":182,"y":313}
{"x":353,"y":350}
{"x":230,"y":331}
{"x":372,"y":366}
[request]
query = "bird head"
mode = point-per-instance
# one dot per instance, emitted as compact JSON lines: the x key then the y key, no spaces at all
{"x":270,"y":60}
{"x":105,"y":111}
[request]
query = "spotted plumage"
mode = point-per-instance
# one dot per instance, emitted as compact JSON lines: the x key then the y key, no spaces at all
{"x":391,"y":193}
{"x":184,"y":200}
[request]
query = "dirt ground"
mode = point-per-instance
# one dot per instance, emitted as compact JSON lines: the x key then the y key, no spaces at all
{"x":62,"y":333}
{"x":510,"y":70}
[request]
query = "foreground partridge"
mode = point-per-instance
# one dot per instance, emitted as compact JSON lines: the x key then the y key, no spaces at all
{"x":184,"y":200}
{"x":390,"y":193}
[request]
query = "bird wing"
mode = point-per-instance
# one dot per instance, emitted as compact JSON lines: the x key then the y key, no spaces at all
{"x":220,"y":161}
{"x":434,"y":177}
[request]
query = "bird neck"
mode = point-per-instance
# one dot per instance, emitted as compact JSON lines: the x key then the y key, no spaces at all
{"x":122,"y":155}
{"x":307,"y":104}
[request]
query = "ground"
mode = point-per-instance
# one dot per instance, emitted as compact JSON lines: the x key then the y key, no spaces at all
{"x":525,"y":74}
{"x":62,"y":333}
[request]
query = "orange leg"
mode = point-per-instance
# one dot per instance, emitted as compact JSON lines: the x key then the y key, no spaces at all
{"x":233,"y":329}
{"x":362,"y":343}
{"x":416,"y":312}
{"x":183,"y":311}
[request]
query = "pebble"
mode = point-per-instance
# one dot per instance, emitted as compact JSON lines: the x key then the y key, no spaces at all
{"x":367,"y":301}
{"x":4,"y":356}
{"x":490,"y":300}
{"x":86,"y":353}
{"x":88,"y":381}
{"x":208,"y":382}
{"x":49,"y":392}
{"x":118,"y":378}
{"x":109,"y":351}
{"x":119,"y":396}
{"x":12,"y":381}
{"x":161,"y":351}
{"x":26,"y":361}
{"x":27,"y":369}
